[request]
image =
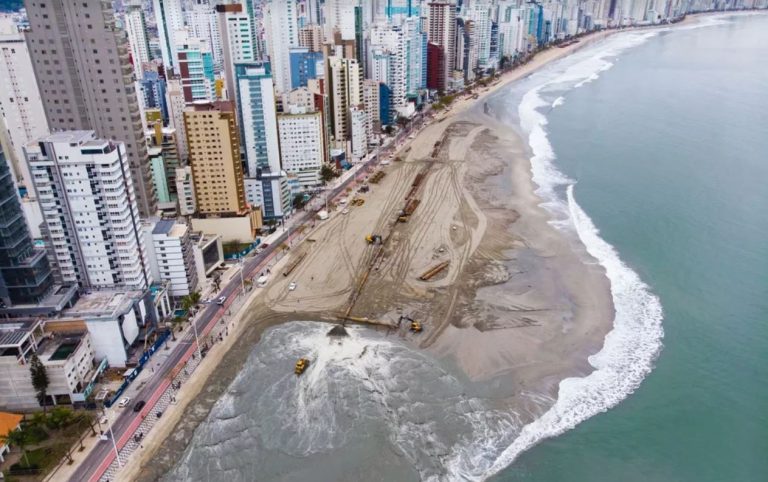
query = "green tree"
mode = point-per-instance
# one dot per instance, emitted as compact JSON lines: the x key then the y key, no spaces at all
{"x":299,"y":202}
{"x":39,"y":380}
{"x":327,"y":173}
{"x":59,"y":417}
{"x":18,"y":438}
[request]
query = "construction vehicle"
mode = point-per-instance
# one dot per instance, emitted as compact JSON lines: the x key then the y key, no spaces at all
{"x":301,"y":366}
{"x":413,"y":325}
{"x":358,"y":201}
{"x":373,"y":239}
{"x":376,"y":177}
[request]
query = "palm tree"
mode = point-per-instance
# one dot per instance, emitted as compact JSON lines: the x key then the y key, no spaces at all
{"x":17,"y":437}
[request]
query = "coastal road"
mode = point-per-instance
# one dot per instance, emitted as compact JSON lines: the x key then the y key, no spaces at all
{"x":126,"y":423}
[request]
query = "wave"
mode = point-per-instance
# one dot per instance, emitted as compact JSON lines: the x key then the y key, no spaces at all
{"x":635,"y":341}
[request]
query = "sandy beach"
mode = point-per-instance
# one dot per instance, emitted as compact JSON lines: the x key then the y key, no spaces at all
{"x":519,"y":298}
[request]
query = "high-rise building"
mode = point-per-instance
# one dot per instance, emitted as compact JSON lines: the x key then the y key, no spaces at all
{"x":202,"y":23}
{"x":171,"y":256}
{"x":83,"y":69}
{"x":21,"y":111}
{"x":136,"y":27}
{"x":236,"y":40}
{"x":169,"y":17}
{"x":175,"y":100}
{"x":441,"y":33}
{"x":479,"y":12}
{"x":305,"y":65}
{"x":281,"y":34}
{"x":372,"y":101}
{"x":258,"y":125}
{"x":86,"y":192}
{"x":152,"y":88}
{"x":345,"y":90}
{"x":311,"y":37}
{"x":339,"y":17}
{"x":302,"y":146}
{"x":165,"y":138}
{"x":194,"y":63}
{"x":214,"y":155}
{"x":25,"y":275}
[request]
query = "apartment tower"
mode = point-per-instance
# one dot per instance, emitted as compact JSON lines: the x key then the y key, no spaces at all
{"x":89,"y":205}
{"x":214,"y":155}
{"x":83,"y":69}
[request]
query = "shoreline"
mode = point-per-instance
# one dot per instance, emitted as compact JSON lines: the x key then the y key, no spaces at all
{"x":213,"y":378}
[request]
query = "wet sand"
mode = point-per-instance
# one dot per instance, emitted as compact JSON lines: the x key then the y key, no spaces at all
{"x":519,"y":298}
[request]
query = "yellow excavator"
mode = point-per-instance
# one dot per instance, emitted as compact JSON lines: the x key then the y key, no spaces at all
{"x":301,"y":366}
{"x":373,"y":239}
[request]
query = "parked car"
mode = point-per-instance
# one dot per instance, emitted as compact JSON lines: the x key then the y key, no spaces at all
{"x":139,"y":405}
{"x":124,"y":402}
{"x":292,"y":286}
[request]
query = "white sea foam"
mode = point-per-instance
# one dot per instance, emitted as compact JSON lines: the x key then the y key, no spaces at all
{"x":636,"y":339}
{"x":558,"y":102}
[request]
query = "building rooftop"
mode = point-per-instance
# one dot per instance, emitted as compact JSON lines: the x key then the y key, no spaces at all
{"x":164,"y":226}
{"x":9,"y":422}
{"x":105,"y":303}
{"x":72,"y":137}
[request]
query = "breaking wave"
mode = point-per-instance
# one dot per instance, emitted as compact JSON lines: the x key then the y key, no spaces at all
{"x":630,"y":349}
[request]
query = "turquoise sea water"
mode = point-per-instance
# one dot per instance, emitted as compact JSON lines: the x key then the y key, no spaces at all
{"x":669,"y":150}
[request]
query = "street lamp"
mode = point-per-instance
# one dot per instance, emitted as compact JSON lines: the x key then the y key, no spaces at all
{"x":197,"y":340}
{"x":112,"y":436}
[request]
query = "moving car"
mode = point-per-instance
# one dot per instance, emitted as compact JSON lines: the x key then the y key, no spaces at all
{"x":124,"y":402}
{"x":221,"y":300}
{"x":139,"y":405}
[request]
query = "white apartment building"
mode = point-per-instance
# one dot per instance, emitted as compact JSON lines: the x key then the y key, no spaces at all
{"x":372,"y":110}
{"x":387,"y":62}
{"x":170,"y":19}
{"x":185,"y":191}
{"x":21,"y":112}
{"x":170,"y":256}
{"x":480,"y":14}
{"x":66,"y":351}
{"x":136,"y":27}
{"x":175,"y":99}
{"x":345,"y":81}
{"x":302,"y":146}
{"x":86,"y":194}
{"x":358,"y":120}
{"x":202,"y":23}
{"x":281,"y":33}
{"x":234,"y":26}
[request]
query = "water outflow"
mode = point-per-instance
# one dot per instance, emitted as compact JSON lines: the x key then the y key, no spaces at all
{"x":364,"y":390}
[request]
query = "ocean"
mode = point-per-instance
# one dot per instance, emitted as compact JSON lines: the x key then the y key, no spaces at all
{"x":662,"y":138}
{"x":650,"y":146}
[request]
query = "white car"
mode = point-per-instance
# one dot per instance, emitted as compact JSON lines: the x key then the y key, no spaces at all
{"x":125,"y":401}
{"x":221,"y":300}
{"x":292,"y":286}
{"x":345,"y":211}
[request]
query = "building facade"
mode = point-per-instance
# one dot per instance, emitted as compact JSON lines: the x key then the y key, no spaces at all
{"x":92,"y":221}
{"x":83,"y":69}
{"x":214,"y":156}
